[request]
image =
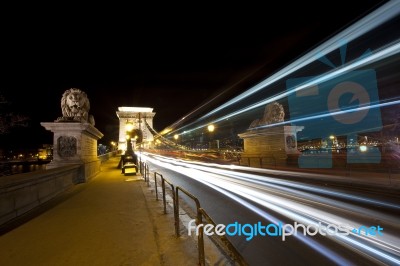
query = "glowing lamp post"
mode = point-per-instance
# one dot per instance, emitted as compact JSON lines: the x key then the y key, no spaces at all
{"x":113,"y":145}
{"x":176,"y":137}
{"x":211,"y":129}
{"x":129,"y":128}
{"x":332,"y":138}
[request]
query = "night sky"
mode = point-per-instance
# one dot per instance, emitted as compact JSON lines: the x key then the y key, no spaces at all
{"x":172,"y":59}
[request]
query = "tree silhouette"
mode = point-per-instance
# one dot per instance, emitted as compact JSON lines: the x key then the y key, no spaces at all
{"x":8,"y":118}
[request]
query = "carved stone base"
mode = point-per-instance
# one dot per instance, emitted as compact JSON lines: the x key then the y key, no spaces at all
{"x":269,"y":146}
{"x":75,"y":143}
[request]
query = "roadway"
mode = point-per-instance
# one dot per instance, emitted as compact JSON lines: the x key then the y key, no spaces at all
{"x":367,"y":221}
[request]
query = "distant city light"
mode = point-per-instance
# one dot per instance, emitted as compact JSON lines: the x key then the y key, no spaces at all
{"x":363,"y":148}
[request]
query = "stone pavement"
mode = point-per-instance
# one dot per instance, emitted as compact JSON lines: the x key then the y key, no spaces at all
{"x":111,"y":220}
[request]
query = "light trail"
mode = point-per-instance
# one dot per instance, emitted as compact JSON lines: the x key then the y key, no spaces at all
{"x":331,"y":255}
{"x":385,"y":52}
{"x":298,"y":208}
{"x":273,"y":182}
{"x":336,"y":113}
{"x":197,"y":110}
{"x":310,"y":204}
{"x":370,"y":22}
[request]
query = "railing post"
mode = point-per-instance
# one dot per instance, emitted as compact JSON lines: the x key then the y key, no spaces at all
{"x":155,"y":184}
{"x":175,"y":208}
{"x":148,"y":179}
{"x":223,"y":240}
{"x":163,"y":193}
{"x":147,"y":176}
{"x":202,"y":260}
{"x":200,"y":238}
{"x":176,"y":212}
{"x":145,"y":172}
{"x":199,"y":221}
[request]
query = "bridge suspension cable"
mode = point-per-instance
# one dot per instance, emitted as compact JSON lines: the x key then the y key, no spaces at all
{"x":158,"y":136}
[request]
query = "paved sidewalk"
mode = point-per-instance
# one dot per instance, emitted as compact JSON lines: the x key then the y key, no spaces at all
{"x":111,"y":220}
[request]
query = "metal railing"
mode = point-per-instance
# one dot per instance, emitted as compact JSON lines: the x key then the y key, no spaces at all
{"x":221,"y":241}
{"x":175,"y":210}
{"x":144,"y":171}
{"x":163,"y":181}
{"x":200,"y":236}
{"x":155,"y":183}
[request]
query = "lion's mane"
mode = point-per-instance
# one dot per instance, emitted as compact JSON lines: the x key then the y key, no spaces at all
{"x":75,"y":106}
{"x":274,"y":113}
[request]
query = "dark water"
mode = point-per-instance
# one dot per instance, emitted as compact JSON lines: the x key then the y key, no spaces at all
{"x":12,"y":169}
{"x":17,"y":169}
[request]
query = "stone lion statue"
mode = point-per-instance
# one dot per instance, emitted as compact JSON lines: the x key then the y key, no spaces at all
{"x":273,"y":113}
{"x":75,"y":107}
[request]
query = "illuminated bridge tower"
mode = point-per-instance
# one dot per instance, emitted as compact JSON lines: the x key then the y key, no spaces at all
{"x":135,"y":116}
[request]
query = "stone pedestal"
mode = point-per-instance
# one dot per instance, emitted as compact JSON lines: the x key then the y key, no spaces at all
{"x":269,"y":146}
{"x":75,"y":143}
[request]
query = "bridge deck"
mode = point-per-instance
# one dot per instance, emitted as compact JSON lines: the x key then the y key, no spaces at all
{"x":111,"y":220}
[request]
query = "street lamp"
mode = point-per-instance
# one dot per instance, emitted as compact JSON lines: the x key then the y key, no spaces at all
{"x":211,"y":129}
{"x":129,"y":128}
{"x":113,"y":145}
{"x":334,"y":141}
{"x":176,"y":137}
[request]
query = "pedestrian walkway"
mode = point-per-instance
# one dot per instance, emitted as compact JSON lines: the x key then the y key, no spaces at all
{"x":111,"y":220}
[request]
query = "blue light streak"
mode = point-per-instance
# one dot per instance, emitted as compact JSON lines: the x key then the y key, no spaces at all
{"x":250,"y":188}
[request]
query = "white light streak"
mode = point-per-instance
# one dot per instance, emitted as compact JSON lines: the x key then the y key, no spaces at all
{"x":257,"y":189}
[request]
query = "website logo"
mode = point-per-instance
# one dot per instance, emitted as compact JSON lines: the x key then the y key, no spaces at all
{"x":344,"y":105}
{"x":280,"y":230}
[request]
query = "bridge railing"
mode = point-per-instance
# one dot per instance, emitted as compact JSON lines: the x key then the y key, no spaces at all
{"x":144,"y":171}
{"x":21,"y":193}
{"x":199,"y":215}
{"x":221,"y":241}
